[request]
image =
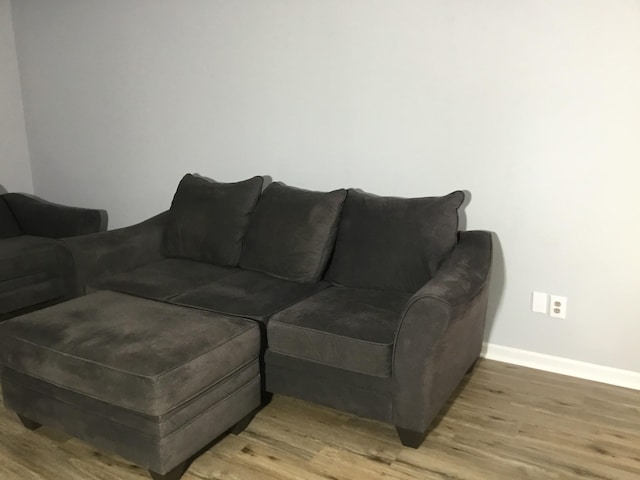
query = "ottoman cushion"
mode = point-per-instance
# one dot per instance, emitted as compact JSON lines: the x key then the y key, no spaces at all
{"x":139,"y":354}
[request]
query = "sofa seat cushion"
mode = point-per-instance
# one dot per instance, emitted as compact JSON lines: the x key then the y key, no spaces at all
{"x":249,"y":294}
{"x":292,"y":233}
{"x":407,"y":237}
{"x":348,"y":328}
{"x":164,"y":279}
{"x":33,"y":270}
{"x":208,"y":220}
{"x":107,"y":343}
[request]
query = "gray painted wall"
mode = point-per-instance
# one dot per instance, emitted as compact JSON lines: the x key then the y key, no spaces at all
{"x":15,"y":169}
{"x":533,"y":106}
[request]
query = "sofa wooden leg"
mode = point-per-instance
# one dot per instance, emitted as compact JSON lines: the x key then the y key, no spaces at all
{"x":473,"y":365}
{"x":411,"y":438}
{"x":265,"y":398}
{"x":28,"y":423}
{"x":239,"y":427}
{"x":174,"y":474}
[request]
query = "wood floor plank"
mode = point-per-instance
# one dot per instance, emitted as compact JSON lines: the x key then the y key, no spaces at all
{"x":215,"y":466}
{"x":505,"y":423}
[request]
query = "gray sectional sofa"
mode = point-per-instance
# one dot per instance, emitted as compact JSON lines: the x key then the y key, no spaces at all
{"x":191,"y":319}
{"x":36,"y":269}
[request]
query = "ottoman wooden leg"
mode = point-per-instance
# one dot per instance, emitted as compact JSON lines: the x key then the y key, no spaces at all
{"x":174,"y":474}
{"x":28,"y":423}
{"x":239,"y":427}
{"x":410,"y":438}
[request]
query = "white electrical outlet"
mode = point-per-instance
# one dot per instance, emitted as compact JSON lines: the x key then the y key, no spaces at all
{"x":558,"y":307}
{"x":539,"y":302}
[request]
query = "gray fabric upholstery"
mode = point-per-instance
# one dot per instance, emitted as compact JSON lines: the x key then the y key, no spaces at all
{"x":357,"y":393}
{"x":208,"y":220}
{"x":26,"y":255}
{"x":248,"y":294}
{"x":352,"y":329}
{"x":103,"y":254}
{"x":138,"y":354}
{"x":8,"y":225}
{"x":164,"y":279}
{"x":292,"y":233}
{"x":160,"y":425}
{"x":159,"y":454}
{"x":438,"y":337}
{"x":45,"y":219}
{"x":33,"y":270}
{"x":440,"y":334}
{"x":390,"y":243}
{"x":155,"y":381}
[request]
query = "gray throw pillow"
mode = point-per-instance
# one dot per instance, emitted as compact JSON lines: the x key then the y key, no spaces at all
{"x":8,"y":225}
{"x":292,"y":233}
{"x":391,"y":243}
{"x":208,"y":220}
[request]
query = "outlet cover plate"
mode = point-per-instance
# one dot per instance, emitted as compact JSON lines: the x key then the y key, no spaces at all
{"x":558,"y":306}
{"x":539,"y":302}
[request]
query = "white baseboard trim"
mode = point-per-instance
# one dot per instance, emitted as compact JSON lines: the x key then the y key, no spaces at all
{"x":563,"y":366}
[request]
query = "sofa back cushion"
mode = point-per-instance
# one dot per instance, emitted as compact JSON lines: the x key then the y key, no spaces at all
{"x":208,"y":220}
{"x":292,"y":233}
{"x":391,"y":243}
{"x":8,"y":225}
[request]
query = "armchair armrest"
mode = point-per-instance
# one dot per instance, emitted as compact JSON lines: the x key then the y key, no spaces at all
{"x":440,"y":335}
{"x":116,"y":251}
{"x":45,"y":219}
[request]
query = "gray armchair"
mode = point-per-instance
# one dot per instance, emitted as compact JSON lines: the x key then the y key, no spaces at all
{"x":36,"y":269}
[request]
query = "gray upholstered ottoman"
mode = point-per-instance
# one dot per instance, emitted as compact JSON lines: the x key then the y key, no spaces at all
{"x":152,"y":382}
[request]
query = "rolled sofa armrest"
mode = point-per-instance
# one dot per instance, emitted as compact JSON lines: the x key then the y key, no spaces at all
{"x":45,"y":219}
{"x":440,"y":333}
{"x":116,"y":251}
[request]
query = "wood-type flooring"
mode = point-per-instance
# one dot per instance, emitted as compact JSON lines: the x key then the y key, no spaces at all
{"x":505,"y":422}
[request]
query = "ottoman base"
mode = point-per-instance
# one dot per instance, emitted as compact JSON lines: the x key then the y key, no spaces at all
{"x":152,"y":382}
{"x":166,"y":457}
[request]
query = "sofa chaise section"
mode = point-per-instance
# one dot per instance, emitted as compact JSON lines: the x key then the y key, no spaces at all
{"x":393,"y":337}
